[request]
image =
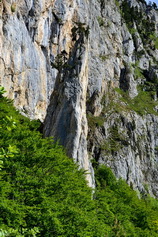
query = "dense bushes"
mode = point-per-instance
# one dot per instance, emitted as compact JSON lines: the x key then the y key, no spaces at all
{"x":44,"y":194}
{"x":41,"y":189}
{"x":121,"y":208}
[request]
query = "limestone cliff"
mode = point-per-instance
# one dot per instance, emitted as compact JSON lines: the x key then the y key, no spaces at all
{"x":94,"y":62}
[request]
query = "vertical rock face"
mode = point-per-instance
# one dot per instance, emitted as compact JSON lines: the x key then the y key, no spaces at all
{"x":24,"y":43}
{"x":95,"y":64}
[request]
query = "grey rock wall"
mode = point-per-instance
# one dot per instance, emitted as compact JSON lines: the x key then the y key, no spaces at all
{"x":61,"y":62}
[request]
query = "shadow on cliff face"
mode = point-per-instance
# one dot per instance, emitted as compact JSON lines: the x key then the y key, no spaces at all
{"x":61,"y":120}
{"x":124,"y":83}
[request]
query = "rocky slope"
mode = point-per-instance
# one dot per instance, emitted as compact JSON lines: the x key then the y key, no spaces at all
{"x":94,"y":63}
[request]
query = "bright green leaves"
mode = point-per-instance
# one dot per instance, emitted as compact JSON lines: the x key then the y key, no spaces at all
{"x":9,"y":152}
{"x":40,"y":187}
{"x":121,"y":208}
{"x":43,"y":193}
{"x":2,"y":91}
{"x":15,"y":233}
{"x":1,"y":164}
{"x":9,"y":123}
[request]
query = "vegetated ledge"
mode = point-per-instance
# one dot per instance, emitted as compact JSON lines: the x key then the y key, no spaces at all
{"x":142,"y":104}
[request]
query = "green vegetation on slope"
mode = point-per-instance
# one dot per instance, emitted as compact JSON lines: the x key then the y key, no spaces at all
{"x":42,"y":192}
{"x":41,"y":189}
{"x":144,"y":25}
{"x":142,"y":104}
{"x":119,"y":206}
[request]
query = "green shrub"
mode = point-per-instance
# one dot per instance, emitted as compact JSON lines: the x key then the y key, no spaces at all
{"x":103,"y":57}
{"x":100,"y":21}
{"x":13,"y":7}
{"x":43,"y":193}
{"x":138,"y":73}
{"x":2,"y":91}
{"x":117,"y":3}
{"x":119,"y":206}
{"x":95,"y":121}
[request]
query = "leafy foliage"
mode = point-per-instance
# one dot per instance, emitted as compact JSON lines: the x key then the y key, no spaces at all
{"x":43,"y":193}
{"x":2,"y":91}
{"x":101,"y":21}
{"x":119,"y":206}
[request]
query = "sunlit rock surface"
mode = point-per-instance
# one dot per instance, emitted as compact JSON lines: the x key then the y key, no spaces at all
{"x":61,"y":62}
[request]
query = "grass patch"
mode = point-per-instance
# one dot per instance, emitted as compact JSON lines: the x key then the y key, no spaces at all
{"x":104,"y":57}
{"x":93,"y":121}
{"x":142,"y":104}
{"x":138,"y":73}
{"x":101,"y":21}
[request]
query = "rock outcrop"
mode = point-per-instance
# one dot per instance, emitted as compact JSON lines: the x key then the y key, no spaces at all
{"x":89,"y":70}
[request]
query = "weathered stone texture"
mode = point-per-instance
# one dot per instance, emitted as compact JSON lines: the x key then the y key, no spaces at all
{"x":72,"y":54}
